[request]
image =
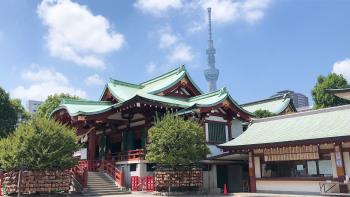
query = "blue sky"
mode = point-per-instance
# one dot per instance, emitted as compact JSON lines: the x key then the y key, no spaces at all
{"x":263,"y":46}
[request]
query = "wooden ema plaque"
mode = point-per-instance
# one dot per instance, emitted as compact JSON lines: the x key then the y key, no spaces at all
{"x":291,"y":153}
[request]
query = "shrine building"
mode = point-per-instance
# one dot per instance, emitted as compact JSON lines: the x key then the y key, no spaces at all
{"x":118,"y":123}
{"x":306,"y":152}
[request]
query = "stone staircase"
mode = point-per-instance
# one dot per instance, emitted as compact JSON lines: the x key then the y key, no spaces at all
{"x":100,"y":184}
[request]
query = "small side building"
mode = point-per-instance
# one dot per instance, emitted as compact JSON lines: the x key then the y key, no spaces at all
{"x":281,"y":104}
{"x":295,"y":153}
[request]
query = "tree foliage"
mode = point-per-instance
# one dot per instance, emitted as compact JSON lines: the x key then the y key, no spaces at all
{"x":175,"y":141}
{"x":8,"y":114}
{"x":262,"y":113}
{"x":21,"y":112}
{"x":321,"y":97}
{"x":39,"y":144}
{"x":51,"y":103}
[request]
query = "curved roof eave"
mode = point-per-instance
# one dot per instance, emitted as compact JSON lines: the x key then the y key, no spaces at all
{"x":78,"y":113}
{"x":169,"y":85}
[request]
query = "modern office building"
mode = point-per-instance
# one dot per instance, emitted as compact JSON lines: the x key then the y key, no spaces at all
{"x":299,"y":100}
{"x":33,"y":106}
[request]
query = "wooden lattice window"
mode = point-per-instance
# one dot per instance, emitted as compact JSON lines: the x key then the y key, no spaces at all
{"x":216,"y":132}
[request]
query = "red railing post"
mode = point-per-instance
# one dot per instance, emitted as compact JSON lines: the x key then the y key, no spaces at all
{"x":85,"y":178}
{"x":1,"y":182}
{"x":121,"y":178}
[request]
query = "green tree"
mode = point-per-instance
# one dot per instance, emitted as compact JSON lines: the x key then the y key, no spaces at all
{"x":21,"y":112}
{"x":173,"y":141}
{"x":51,"y":103}
{"x":321,"y":97}
{"x":39,"y":144}
{"x":8,"y":115}
{"x":262,"y":113}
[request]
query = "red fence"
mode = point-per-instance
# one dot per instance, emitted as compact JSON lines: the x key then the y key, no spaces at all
{"x":137,"y":154}
{"x":80,"y":173}
{"x":145,"y":183}
{"x":2,"y":177}
{"x":116,"y":174}
{"x":103,"y":165}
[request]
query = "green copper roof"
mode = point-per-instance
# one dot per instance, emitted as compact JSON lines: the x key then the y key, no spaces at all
{"x":84,"y":107}
{"x":125,"y":91}
{"x":311,"y":125}
{"x":275,"y":105}
{"x":148,"y":91}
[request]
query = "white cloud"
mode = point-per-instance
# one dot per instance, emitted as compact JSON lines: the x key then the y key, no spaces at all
{"x":76,"y":35}
{"x":167,"y":40}
{"x":94,"y":79}
{"x":37,"y":74}
{"x":157,"y":7}
{"x":44,"y":82}
{"x":151,"y":68}
{"x":181,"y":53}
{"x":177,"y":49}
{"x":196,"y":26}
{"x":342,"y":67}
{"x":224,"y":11}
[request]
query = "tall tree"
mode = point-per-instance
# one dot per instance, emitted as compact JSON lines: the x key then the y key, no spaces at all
{"x":260,"y":113}
{"x":21,"y":112}
{"x":51,"y":103}
{"x":321,"y":97}
{"x":174,"y":141}
{"x":8,"y":115}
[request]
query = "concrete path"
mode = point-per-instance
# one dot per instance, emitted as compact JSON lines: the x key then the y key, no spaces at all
{"x":143,"y":194}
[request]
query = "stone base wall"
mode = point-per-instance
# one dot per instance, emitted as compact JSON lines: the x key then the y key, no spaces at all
{"x":37,"y":181}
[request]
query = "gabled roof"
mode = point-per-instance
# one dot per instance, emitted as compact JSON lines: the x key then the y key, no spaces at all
{"x":84,"y":107}
{"x":147,"y":91}
{"x":343,"y":93}
{"x":275,"y":105}
{"x":167,"y":80}
{"x":298,"y":127}
{"x":125,"y":91}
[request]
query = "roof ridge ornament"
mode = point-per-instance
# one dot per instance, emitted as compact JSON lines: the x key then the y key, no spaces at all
{"x":223,"y":91}
{"x":181,"y":68}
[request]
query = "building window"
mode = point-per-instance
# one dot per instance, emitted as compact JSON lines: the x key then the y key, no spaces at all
{"x":312,"y":168}
{"x":217,"y":132}
{"x":150,"y":167}
{"x":133,"y":167}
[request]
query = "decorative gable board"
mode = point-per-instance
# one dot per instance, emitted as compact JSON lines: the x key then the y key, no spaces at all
{"x":107,"y":96}
{"x":184,"y":89}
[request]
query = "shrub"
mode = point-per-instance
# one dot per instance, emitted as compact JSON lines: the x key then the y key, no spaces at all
{"x":39,"y":144}
{"x":175,"y":141}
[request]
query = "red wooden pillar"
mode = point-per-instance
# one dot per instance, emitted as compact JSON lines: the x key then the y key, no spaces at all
{"x":252,"y":178}
{"x":92,"y":139}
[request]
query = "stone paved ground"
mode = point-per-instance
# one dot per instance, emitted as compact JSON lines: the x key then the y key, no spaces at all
{"x":144,"y":194}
